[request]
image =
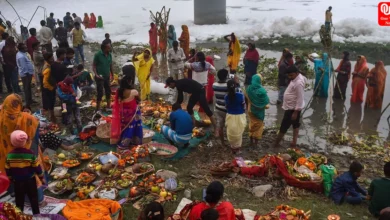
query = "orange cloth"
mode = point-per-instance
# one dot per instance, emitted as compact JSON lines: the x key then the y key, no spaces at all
{"x":162,"y":34}
{"x":92,"y":209}
{"x":376,"y":86}
{"x":153,"y":39}
{"x":12,"y":118}
{"x":359,"y":80}
{"x":86,"y":21}
{"x":185,"y":40}
{"x":225,"y":211}
{"x":92,"y":21}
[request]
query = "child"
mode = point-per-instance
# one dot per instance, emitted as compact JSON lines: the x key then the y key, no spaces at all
{"x":107,"y":40}
{"x":210,"y":214}
{"x":67,"y":94}
{"x":21,"y":166}
{"x":82,"y":78}
{"x":345,"y":187}
{"x":69,"y":61}
{"x":379,"y":192}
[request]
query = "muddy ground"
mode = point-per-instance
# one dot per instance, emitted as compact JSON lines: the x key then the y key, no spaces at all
{"x":319,"y":133}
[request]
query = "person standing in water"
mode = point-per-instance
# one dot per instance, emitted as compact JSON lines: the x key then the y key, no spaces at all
{"x":328,"y":18}
{"x":293,"y":103}
{"x":153,"y":38}
{"x":343,"y":76}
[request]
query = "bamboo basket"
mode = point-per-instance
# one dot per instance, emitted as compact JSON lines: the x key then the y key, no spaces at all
{"x":146,"y":140}
{"x":103,"y":132}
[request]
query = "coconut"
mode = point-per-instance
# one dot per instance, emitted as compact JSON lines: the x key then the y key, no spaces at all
{"x":156,"y":114}
{"x":107,"y":167}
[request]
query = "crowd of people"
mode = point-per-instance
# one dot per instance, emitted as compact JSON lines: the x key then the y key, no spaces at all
{"x":191,"y":72}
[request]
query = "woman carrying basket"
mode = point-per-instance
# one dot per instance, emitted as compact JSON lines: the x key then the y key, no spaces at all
{"x":126,"y":125}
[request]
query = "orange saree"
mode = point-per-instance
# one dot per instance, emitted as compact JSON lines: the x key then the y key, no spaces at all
{"x":359,"y":80}
{"x":376,"y":82}
{"x":185,"y":40}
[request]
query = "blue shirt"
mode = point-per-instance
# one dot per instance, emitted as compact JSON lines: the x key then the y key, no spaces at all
{"x":181,"y":122}
{"x":25,"y":65}
{"x":346,"y":183}
{"x":237,"y":106}
{"x":67,"y":98}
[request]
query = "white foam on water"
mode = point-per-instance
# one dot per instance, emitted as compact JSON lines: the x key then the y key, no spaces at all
{"x":354,"y":20}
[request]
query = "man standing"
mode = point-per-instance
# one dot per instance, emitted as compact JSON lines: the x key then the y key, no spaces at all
{"x":30,"y":41}
{"x":58,"y":69}
{"x":78,"y":36}
{"x":45,"y":36}
{"x":61,"y":35}
{"x":176,"y":57}
{"x":102,"y":68}
{"x":293,"y":103}
{"x":283,"y":80}
{"x":68,"y":21}
{"x":328,"y":18}
{"x":12,"y":32}
{"x":26,"y":71}
{"x":51,"y":22}
{"x":76,"y":19}
{"x":4,"y":37}
{"x":180,"y":132}
{"x":198,"y":94}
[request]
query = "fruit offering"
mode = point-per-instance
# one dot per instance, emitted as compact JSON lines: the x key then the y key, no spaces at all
{"x":142,"y":168}
{"x":115,"y":173}
{"x":84,"y":191}
{"x":150,"y":181}
{"x":305,"y":162}
{"x":70,"y":163}
{"x":303,"y":177}
{"x":121,"y":184}
{"x":85,"y":155}
{"x":285,"y":212}
{"x":85,"y":178}
{"x":65,"y":184}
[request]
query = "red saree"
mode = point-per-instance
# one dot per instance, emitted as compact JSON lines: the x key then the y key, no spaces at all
{"x":210,"y":81}
{"x":376,"y":86}
{"x":162,"y":34}
{"x":359,"y":80}
{"x":153,"y":39}
{"x":92,"y":21}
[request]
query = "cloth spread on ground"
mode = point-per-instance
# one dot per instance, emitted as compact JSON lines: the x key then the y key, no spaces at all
{"x":94,"y":209}
{"x":52,"y":205}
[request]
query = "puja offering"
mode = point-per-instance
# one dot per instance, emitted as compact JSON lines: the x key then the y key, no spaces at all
{"x":108,"y":193}
{"x":285,"y":212}
{"x":85,"y":178}
{"x":164,"y":150}
{"x":85,"y":155}
{"x":60,"y":186}
{"x":70,"y":163}
{"x":123,"y":183}
{"x":136,"y":153}
{"x":83,"y":191}
{"x":59,"y":173}
{"x":150,"y":182}
{"x":110,"y":157}
{"x":198,"y":132}
{"x":140,"y":169}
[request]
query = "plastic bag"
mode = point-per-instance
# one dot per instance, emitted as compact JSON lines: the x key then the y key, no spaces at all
{"x":79,"y":93}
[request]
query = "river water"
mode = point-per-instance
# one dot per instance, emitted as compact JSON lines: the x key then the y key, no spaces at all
{"x":318,"y":121}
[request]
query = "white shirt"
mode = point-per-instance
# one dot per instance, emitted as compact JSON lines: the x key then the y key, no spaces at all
{"x":294,"y":95}
{"x":45,"y":35}
{"x":197,"y":74}
{"x":178,"y":56}
{"x":2,"y":44}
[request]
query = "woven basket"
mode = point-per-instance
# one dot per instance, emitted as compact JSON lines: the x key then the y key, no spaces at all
{"x":162,"y":150}
{"x":103,"y":132}
{"x":146,"y":140}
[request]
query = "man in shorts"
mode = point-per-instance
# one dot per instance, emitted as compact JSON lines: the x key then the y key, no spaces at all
{"x":102,"y":68}
{"x":293,"y":103}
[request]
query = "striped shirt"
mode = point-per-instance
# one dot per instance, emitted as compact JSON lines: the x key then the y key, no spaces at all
{"x":22,"y":164}
{"x":220,"y":91}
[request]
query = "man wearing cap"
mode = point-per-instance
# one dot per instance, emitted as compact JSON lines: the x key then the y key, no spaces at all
{"x":197,"y":94}
{"x":293,"y":103}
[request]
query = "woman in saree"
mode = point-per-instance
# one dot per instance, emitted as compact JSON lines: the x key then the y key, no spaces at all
{"x":126,"y":124}
{"x":210,"y":81}
{"x":323,"y":68}
{"x":234,"y":52}
{"x":86,"y":21}
{"x":153,"y":38}
{"x":12,"y":117}
{"x":171,"y":36}
{"x":235,"y":117}
{"x":144,"y":67}
{"x":258,"y":102}
{"x":359,"y":79}
{"x":343,"y":75}
{"x":162,"y":37}
{"x":214,"y":194}
{"x":376,"y":82}
{"x":92,"y":21}
{"x":185,"y":40}
{"x":282,"y":58}
{"x":99,"y":23}
{"x":251,"y":61}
